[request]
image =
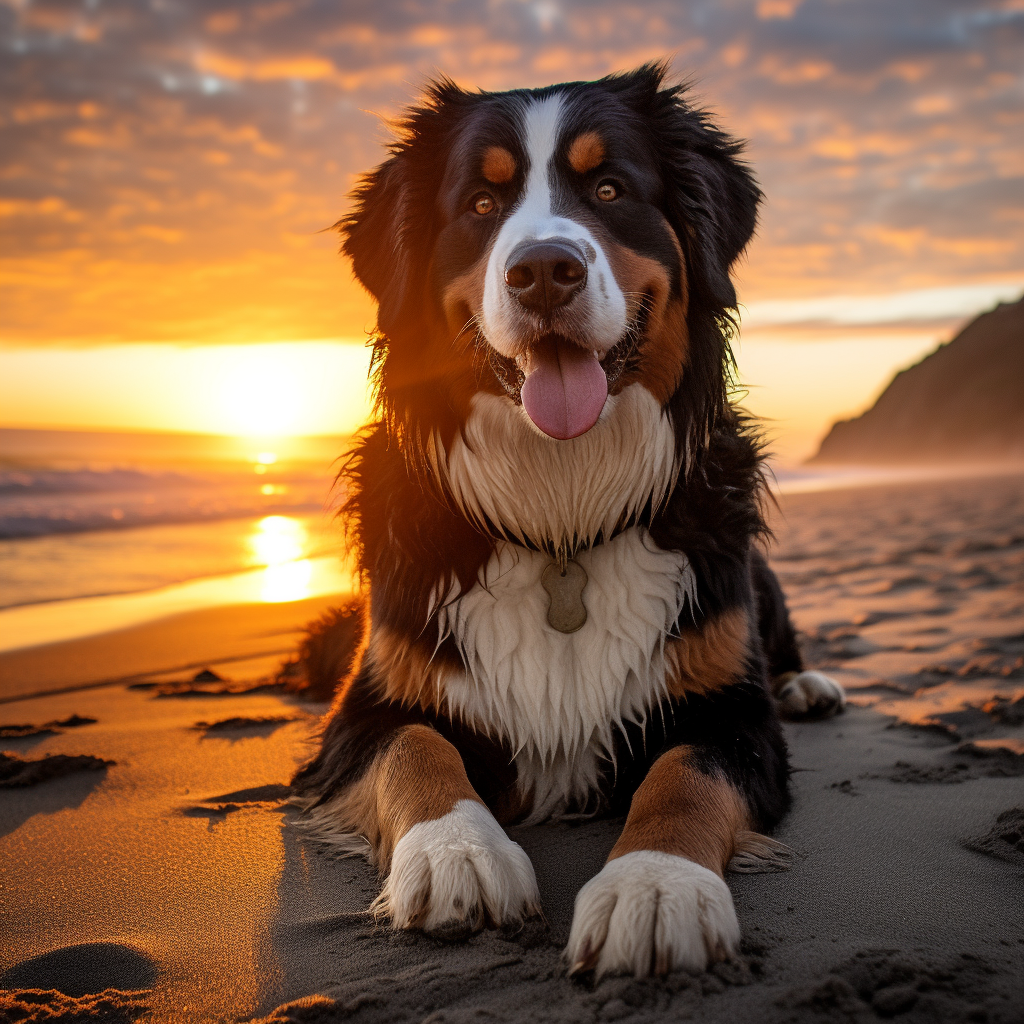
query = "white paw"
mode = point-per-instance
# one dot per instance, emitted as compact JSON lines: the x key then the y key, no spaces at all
{"x":461,"y":871}
{"x":651,"y":913}
{"x":811,"y":694}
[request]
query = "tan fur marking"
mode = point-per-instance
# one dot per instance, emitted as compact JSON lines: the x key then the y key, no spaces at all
{"x":418,"y":776}
{"x":499,"y":165}
{"x":412,"y":679}
{"x":711,"y":657}
{"x":433,"y":362}
{"x":354,"y":813}
{"x":586,"y":152}
{"x":665,"y":349}
{"x":665,"y":352}
{"x":680,"y":810}
{"x":463,"y":301}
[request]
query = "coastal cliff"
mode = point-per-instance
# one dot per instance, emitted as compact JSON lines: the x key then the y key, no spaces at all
{"x":963,"y":402}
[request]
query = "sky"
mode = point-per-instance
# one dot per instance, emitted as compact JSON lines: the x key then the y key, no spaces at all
{"x":168,"y":169}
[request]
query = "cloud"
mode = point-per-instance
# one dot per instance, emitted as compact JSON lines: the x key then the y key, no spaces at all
{"x":158,"y":158}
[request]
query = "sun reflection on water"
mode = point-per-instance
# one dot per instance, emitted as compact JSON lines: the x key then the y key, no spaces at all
{"x":280,"y":543}
{"x":287,"y":582}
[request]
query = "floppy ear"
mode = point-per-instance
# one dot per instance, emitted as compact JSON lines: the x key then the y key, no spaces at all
{"x":712,"y":197}
{"x":375,"y":239}
{"x":387,"y":234}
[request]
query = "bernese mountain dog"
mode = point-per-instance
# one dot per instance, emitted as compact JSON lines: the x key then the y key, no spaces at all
{"x":558,"y":514}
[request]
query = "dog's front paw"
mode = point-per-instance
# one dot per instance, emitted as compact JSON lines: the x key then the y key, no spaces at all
{"x":458,"y":873}
{"x":811,"y":695}
{"x":651,"y":913}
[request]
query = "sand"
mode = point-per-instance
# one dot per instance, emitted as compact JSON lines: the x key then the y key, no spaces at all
{"x":172,"y":886}
{"x":259,"y":634}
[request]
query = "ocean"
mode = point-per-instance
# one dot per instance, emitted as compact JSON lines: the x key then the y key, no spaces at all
{"x":103,"y":530}
{"x":176,"y":521}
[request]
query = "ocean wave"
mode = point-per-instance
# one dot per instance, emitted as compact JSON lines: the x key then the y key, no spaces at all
{"x":41,"y":501}
{"x":26,"y":482}
{"x":124,"y":516}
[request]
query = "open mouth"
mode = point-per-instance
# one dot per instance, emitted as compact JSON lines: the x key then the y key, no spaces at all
{"x":562,"y":385}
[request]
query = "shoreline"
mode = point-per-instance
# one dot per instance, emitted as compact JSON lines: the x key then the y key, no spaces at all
{"x":327,"y":575}
{"x":33,"y":625}
{"x":229,"y":634}
{"x":811,"y":478}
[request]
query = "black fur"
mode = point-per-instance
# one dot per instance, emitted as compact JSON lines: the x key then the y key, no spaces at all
{"x":404,"y":234}
{"x":782,"y":654}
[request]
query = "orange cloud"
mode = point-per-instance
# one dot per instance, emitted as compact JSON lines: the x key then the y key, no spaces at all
{"x":39,"y":110}
{"x":306,"y":68}
{"x":167,"y":235}
{"x":799,"y":72}
{"x":768,"y":10}
{"x":734,"y":54}
{"x":302,"y":67}
{"x":210,"y":147}
{"x":223,"y":22}
{"x":51,"y":206}
{"x":931,"y":104}
{"x":300,"y":291}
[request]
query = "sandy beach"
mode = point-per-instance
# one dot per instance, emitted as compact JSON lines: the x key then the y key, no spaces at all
{"x":162,"y":879}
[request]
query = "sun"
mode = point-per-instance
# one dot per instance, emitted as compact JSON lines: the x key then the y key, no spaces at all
{"x":262,"y":393}
{"x":288,"y":389}
{"x":260,"y":390}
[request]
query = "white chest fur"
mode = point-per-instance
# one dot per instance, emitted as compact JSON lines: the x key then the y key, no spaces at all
{"x":504,"y":474}
{"x":556,"y":697}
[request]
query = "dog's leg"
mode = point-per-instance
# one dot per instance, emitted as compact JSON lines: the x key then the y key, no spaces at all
{"x":449,"y":864}
{"x":660,"y":902}
{"x":800,"y":694}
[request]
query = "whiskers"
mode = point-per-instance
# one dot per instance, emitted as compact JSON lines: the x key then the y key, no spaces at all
{"x":622,"y":355}
{"x":475,"y":322}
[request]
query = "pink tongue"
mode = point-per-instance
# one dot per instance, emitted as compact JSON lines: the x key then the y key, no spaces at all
{"x":566,"y":389}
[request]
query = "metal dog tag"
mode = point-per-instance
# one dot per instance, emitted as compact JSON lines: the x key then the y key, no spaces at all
{"x":566,"y":612}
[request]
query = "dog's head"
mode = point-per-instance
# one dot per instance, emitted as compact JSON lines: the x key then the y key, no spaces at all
{"x":553,"y":246}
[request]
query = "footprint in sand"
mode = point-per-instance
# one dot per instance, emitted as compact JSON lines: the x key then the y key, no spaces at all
{"x":83,"y":970}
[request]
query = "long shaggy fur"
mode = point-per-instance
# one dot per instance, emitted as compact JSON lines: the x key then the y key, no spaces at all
{"x":458,"y":504}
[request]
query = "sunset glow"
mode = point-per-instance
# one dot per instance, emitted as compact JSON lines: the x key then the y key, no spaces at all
{"x":257,"y":391}
{"x":262,"y":394}
{"x":799,"y":384}
{"x":666,"y":454}
{"x":279,"y":543}
{"x":166,"y":266}
{"x":277,"y":539}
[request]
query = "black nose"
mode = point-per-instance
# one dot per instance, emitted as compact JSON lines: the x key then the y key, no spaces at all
{"x":545,"y":273}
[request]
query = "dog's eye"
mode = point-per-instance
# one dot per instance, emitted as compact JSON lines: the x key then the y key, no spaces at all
{"x":607,"y":191}
{"x":484,"y":204}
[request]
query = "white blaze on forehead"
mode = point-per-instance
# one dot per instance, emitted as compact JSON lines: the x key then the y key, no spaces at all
{"x":541,"y":123}
{"x":600,"y":308}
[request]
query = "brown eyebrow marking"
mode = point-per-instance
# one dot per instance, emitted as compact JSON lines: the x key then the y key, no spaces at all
{"x":499,"y":165}
{"x":586,"y":152}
